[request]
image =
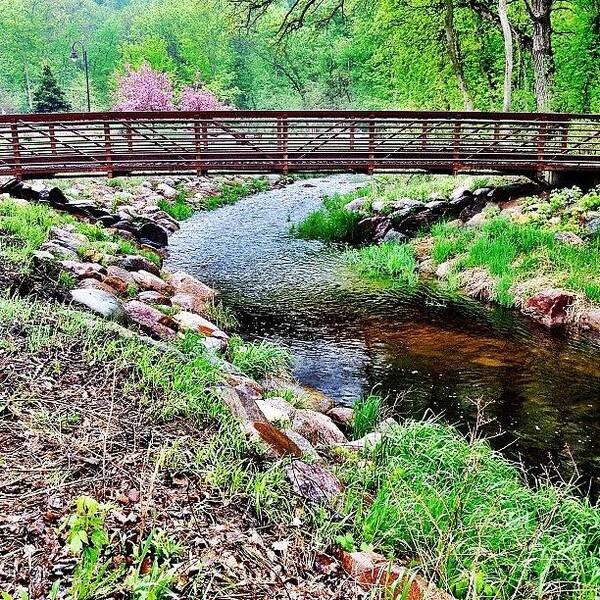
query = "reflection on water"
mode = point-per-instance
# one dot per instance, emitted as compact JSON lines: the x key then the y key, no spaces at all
{"x":422,"y":349}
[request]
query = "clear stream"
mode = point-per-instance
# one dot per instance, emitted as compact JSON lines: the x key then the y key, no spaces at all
{"x":426,"y":351}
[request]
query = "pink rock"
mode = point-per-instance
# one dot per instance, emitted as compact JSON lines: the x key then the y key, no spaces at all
{"x":189,"y":302}
{"x":148,"y":281}
{"x":548,"y":307}
{"x":278,"y":443}
{"x":151,"y":297}
{"x":341,"y":415}
{"x":95,"y":284}
{"x":317,"y":428}
{"x":192,"y":322}
{"x":150,"y":319}
{"x":83,"y":270}
{"x":186,"y":284}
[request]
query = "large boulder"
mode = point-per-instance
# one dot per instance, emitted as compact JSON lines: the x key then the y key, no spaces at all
{"x":98,"y":301}
{"x":589,"y":320}
{"x":59,"y":252}
{"x":83,"y":270}
{"x":478,"y":283}
{"x":357,"y":205}
{"x":374,"y":228}
{"x":68,"y":239}
{"x":276,"y":441}
{"x":193,"y":322}
{"x":153,"y":235}
{"x":189,"y":303}
{"x":317,"y":428}
{"x":549,"y":307}
{"x":150,"y":319}
{"x":118,"y":278}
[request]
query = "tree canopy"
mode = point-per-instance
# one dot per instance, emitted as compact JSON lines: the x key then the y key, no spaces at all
{"x":520,"y":55}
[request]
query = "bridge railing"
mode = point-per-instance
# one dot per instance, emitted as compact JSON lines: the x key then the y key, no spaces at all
{"x":297,"y":141}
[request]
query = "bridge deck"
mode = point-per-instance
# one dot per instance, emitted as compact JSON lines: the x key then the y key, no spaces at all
{"x":39,"y":146}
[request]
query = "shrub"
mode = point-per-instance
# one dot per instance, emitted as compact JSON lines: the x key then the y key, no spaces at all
{"x":390,"y":259}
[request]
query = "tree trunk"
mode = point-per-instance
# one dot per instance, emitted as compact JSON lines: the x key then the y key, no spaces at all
{"x":28,"y":86}
{"x":455,"y":54}
{"x":543,"y":58}
{"x":508,"y":54}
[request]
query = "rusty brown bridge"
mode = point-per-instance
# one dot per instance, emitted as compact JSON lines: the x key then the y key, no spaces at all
{"x":41,"y":146}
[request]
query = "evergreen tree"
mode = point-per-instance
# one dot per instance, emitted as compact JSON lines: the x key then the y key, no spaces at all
{"x":48,"y":97}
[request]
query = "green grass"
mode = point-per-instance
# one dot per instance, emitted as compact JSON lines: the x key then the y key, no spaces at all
{"x":514,"y":252}
{"x":26,"y":228}
{"x":366,"y":415}
{"x":230,"y":193}
{"x":388,"y":260}
{"x":331,"y":223}
{"x":258,"y":359}
{"x":467,"y":518}
{"x":178,"y":208}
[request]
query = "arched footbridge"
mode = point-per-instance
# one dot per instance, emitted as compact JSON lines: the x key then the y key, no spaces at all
{"x":41,"y":146}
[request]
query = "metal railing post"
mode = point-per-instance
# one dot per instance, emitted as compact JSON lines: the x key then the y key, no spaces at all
{"x":456,"y":147}
{"x":52,"y":134}
{"x":16,"y":148}
{"x":198,"y":146}
{"x":108,"y":150}
{"x":541,"y":147}
{"x":371,"y":163}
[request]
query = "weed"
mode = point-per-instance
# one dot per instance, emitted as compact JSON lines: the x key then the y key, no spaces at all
{"x":222,"y":316}
{"x":258,"y":359}
{"x":230,"y":193}
{"x":366,"y":415}
{"x":179,"y":208}
{"x":331,"y":223}
{"x":389,"y":260}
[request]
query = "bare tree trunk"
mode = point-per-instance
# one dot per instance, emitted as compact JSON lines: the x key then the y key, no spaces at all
{"x":508,"y":54}
{"x":543,"y":58}
{"x":455,"y":54}
{"x":28,"y":86}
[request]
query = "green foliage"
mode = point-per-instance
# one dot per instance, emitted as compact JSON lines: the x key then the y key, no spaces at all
{"x":258,"y":359}
{"x":467,"y":518}
{"x":366,"y":415}
{"x":331,"y":223}
{"x":179,"y":208}
{"x":222,"y":316}
{"x":48,"y":97}
{"x":388,"y":260}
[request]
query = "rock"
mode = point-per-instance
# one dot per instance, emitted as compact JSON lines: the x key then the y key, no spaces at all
{"x":444,"y":270}
{"x":549,"y":307}
{"x":476,"y":220}
{"x":457,"y":204}
{"x":57,"y":198}
{"x":193,"y":322}
{"x":108,"y":220}
{"x":317,"y":428}
{"x":395,"y":236}
{"x":118,"y":278}
{"x":277,"y":442}
{"x":241,"y":406}
{"x":313,"y":482}
{"x":426,"y":267}
{"x":482,"y":192}
{"x":148,"y":281}
{"x":357,"y":205}
{"x":478,"y":284}
{"x":374,"y":228}
{"x":589,"y":320}
{"x":461,"y":192}
{"x":511,"y":191}
{"x":150,"y":319}
{"x":138,"y":263}
{"x":379,"y":206}
{"x":59,"y":252}
{"x":305,"y":446}
{"x":186,"y":284}
{"x":189,"y":303}
{"x":99,"y":302}
{"x":68,"y":239}
{"x":153,"y":234}
{"x":280,"y":405}
{"x":83,"y":270}
{"x":272,"y":413}
{"x":213,"y":344}
{"x":407,"y":203}
{"x":151,"y":297}
{"x":372,"y":439}
{"x":341,"y":415}
{"x":593,"y":226}
{"x":167,"y":191}
{"x":569,"y":238}
{"x":95,"y":284}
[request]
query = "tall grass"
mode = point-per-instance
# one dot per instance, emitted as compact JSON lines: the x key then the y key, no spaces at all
{"x":258,"y":359}
{"x":388,"y":260}
{"x":468,"y":519}
{"x":366,"y":415}
{"x":331,"y":223}
{"x":230,"y":193}
{"x":179,"y":208}
{"x":515,"y":252}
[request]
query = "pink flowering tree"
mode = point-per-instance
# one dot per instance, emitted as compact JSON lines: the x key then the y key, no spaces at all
{"x":196,"y":98}
{"x":144,"y":89}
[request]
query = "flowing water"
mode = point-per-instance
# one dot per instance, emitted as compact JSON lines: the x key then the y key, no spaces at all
{"x":427,"y":352}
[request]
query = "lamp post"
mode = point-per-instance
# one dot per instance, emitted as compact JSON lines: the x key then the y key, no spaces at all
{"x":75,"y":58}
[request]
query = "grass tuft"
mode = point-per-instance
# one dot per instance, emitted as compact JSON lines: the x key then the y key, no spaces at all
{"x":258,"y":359}
{"x":366,"y":415}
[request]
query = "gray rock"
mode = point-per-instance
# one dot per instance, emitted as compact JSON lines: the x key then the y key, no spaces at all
{"x":395,"y":236}
{"x":404,"y":203}
{"x":317,"y":428}
{"x":167,"y":191}
{"x":98,"y":301}
{"x":138,"y":263}
{"x":569,"y":238}
{"x":461,"y":192}
{"x":357,"y":205}
{"x":593,"y":225}
{"x":59,"y":252}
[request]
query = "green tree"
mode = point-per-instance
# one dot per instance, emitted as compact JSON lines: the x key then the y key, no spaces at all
{"x":48,"y":97}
